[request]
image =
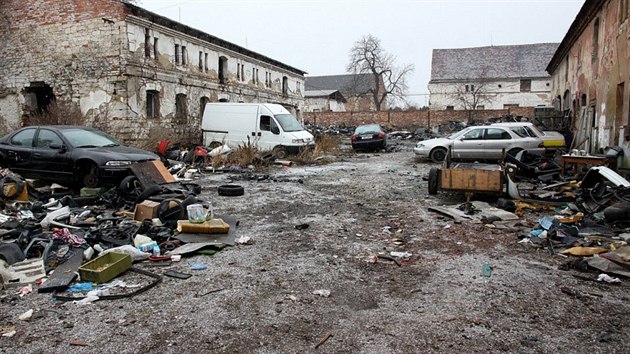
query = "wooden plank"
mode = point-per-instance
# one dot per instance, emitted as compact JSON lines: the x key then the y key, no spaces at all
{"x":64,"y":274}
{"x":152,"y":172}
{"x":472,"y":180}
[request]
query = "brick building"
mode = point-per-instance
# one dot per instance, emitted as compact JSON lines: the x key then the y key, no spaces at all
{"x":494,"y":77}
{"x":357,"y":90}
{"x":128,"y":70}
{"x":590,"y":74}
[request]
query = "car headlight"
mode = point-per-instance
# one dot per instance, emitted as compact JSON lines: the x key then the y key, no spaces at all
{"x":118,"y":163}
{"x":420,"y":145}
{"x":298,"y":141}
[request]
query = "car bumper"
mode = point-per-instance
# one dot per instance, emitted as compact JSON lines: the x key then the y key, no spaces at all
{"x":296,"y":149}
{"x":369,"y":144}
{"x":421,"y":151}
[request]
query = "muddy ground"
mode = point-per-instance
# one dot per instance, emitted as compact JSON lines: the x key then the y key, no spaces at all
{"x":356,"y":207}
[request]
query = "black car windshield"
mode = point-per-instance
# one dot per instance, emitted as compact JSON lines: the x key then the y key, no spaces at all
{"x":370,"y":128}
{"x":288,"y":123}
{"x":88,"y":138}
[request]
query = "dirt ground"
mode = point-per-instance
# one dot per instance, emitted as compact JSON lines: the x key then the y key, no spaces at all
{"x":355,"y":208}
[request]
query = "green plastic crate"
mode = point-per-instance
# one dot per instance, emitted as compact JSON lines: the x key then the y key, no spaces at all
{"x":105,"y":267}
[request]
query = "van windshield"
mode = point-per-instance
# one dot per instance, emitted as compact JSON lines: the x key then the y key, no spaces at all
{"x":288,"y":123}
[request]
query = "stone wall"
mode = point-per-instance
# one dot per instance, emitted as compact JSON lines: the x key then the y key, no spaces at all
{"x":413,"y":119}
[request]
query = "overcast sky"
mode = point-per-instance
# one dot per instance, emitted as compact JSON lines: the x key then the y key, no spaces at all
{"x":316,"y":35}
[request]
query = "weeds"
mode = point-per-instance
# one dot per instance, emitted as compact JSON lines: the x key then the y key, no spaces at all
{"x":57,"y":113}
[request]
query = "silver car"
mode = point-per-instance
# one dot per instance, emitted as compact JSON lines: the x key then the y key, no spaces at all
{"x":482,"y":142}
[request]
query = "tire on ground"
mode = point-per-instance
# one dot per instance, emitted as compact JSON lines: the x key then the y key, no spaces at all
{"x":434,"y":178}
{"x":231,"y":190}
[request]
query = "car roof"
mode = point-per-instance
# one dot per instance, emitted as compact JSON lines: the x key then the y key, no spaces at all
{"x":512,"y":124}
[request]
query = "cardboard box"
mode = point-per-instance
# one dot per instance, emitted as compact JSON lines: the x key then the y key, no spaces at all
{"x":146,"y":210}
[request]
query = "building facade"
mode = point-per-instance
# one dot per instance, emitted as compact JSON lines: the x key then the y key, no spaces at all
{"x":324,"y":101}
{"x":494,"y":77}
{"x":591,"y":75}
{"x":127,"y":69}
{"x":357,"y":90}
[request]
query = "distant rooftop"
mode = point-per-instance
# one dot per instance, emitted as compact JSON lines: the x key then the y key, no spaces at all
{"x":349,"y":84}
{"x":494,"y":62}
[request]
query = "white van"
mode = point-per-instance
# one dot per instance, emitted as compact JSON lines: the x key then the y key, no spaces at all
{"x":265,"y":125}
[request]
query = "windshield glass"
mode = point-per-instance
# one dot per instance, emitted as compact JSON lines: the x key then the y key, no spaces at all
{"x":88,"y":138}
{"x":459,"y":133}
{"x":288,"y":123}
{"x":372,"y":128}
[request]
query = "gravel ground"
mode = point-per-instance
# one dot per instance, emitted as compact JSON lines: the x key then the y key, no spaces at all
{"x":355,"y":207}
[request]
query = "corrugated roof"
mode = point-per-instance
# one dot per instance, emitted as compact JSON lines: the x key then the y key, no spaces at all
{"x":494,"y":62}
{"x":349,"y":84}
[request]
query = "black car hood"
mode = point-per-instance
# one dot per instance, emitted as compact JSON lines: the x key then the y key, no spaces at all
{"x":120,"y":152}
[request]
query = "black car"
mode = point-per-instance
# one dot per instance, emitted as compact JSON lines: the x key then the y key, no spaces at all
{"x":368,"y":137}
{"x":69,"y":155}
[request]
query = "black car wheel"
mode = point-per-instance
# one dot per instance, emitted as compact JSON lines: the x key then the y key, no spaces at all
{"x":434,"y":178}
{"x":438,"y":154}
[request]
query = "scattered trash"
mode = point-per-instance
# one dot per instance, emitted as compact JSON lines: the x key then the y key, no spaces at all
{"x":326,"y":337}
{"x":486,"y":270}
{"x":179,"y":275}
{"x":403,"y":255}
{"x":243,"y":240}
{"x":26,"y":315}
{"x":198,"y":266}
{"x":302,"y":226}
{"x":322,"y":292}
{"x":608,"y":279}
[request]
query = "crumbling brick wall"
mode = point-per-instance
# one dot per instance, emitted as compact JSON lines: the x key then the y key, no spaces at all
{"x":413,"y":119}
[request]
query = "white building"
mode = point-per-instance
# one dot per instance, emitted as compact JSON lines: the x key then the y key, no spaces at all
{"x":494,"y":77}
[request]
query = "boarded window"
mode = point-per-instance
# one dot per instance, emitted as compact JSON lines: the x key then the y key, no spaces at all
{"x":181,"y":108}
{"x":526,"y":85}
{"x":153,"y":104}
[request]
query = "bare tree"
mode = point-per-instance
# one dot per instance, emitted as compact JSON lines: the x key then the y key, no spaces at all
{"x":368,"y":57}
{"x":475,"y":92}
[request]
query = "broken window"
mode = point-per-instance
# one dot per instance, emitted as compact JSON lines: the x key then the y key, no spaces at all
{"x":481,"y":107}
{"x":222,"y":70}
{"x":242,"y":72}
{"x":181,"y":108}
{"x":583,"y":100}
{"x":266,"y":79}
{"x":466,"y":88}
{"x":510,"y":105}
{"x":202,"y":105}
{"x":38,"y":96}
{"x":184,"y":56}
{"x":285,"y":85}
{"x":566,"y":69}
{"x":238,"y":71}
{"x":200,"y":61}
{"x":176,"y":54}
{"x":153,"y":104}
{"x":254,"y":75}
{"x":526,"y":85}
{"x":155,"y":48}
{"x":623,"y":11}
{"x":450,"y":108}
{"x":205,"y":65}
{"x":265,"y":123}
{"x":147,"y":43}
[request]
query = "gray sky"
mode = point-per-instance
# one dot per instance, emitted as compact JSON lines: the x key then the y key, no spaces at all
{"x":316,"y":35}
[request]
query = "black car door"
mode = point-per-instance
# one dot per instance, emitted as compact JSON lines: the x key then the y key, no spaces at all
{"x":17,"y":152}
{"x":51,"y":158}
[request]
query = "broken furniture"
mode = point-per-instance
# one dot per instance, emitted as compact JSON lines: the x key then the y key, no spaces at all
{"x":578,"y":160}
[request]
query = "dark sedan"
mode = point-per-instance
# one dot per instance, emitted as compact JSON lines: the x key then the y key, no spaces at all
{"x":368,"y":137}
{"x":69,"y":155}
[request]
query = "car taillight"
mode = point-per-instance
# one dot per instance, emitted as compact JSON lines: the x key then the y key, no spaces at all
{"x":381,"y":135}
{"x":353,"y":138}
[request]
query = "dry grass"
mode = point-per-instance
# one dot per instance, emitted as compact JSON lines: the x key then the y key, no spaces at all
{"x":327,"y":145}
{"x":57,"y":113}
{"x":184,"y":135}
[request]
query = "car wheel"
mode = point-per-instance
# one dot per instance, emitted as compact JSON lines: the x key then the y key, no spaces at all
{"x":89,"y":176}
{"x":434,"y":178}
{"x":231,"y":190}
{"x":438,"y":154}
{"x":149,"y":192}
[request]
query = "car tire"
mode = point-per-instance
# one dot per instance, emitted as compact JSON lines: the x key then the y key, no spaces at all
{"x":151,"y":191}
{"x":231,"y":190}
{"x":434,"y":179}
{"x":438,"y":154}
{"x":19,"y":187}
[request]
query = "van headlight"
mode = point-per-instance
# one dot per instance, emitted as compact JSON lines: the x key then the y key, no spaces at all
{"x":298,"y":141}
{"x":118,"y":163}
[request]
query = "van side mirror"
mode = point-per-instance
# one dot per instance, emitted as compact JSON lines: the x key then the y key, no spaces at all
{"x":275,"y":130}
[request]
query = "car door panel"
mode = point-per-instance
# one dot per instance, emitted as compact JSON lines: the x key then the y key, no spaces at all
{"x":51,"y":162}
{"x":498,"y":141}
{"x":469,"y":146}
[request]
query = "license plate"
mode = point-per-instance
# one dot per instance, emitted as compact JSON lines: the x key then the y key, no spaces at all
{"x":366,"y":136}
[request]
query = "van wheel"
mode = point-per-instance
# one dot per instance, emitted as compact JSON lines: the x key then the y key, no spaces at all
{"x":280,"y":152}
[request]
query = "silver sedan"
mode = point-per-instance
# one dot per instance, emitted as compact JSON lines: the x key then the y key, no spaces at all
{"x":478,"y":143}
